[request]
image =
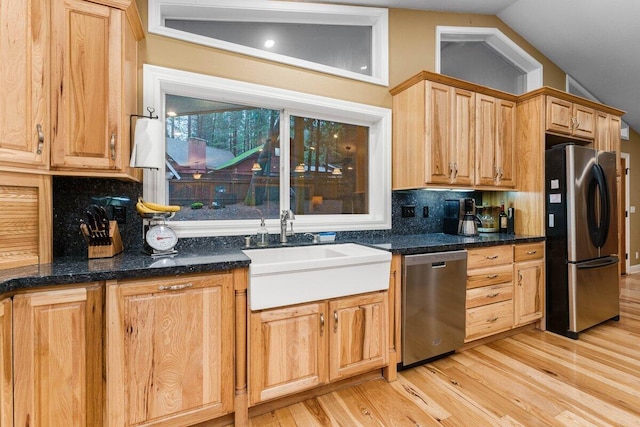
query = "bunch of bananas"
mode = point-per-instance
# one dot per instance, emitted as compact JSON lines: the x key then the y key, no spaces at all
{"x":145,"y":208}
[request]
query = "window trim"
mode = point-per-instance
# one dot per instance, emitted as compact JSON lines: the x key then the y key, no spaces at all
{"x":159,"y":81}
{"x":278,"y":11}
{"x":499,"y":42}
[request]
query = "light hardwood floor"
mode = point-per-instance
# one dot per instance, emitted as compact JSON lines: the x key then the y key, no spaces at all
{"x":530,"y":379}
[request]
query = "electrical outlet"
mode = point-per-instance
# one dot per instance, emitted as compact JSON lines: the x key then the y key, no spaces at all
{"x":425,"y":212}
{"x":408,"y":211}
{"x":120,"y":214}
{"x":636,"y":255}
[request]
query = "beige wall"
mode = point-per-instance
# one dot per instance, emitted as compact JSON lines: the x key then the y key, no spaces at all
{"x":411,"y":49}
{"x":632,"y":147}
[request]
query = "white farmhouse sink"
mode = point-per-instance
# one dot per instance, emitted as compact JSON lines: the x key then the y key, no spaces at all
{"x":293,"y":275}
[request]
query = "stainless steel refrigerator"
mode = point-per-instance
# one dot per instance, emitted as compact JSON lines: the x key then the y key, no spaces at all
{"x":582,"y":280}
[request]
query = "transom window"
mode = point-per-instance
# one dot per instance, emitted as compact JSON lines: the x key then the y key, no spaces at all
{"x":237,"y":152}
{"x":349,"y":41}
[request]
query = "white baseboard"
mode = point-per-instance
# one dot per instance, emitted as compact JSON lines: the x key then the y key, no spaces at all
{"x":633,"y":269}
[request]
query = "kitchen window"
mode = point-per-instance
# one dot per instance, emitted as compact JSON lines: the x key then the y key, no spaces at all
{"x":349,"y":41}
{"x":237,"y":152}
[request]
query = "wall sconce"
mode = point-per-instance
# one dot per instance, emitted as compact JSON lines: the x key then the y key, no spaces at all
{"x":256,"y":167}
{"x":149,"y":135}
{"x":336,"y":172}
{"x":300,"y":168}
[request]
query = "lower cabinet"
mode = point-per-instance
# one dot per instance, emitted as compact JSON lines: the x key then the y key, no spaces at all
{"x":529,"y":283}
{"x":57,"y":358}
{"x":170,"y":350}
{"x":6,"y":364}
{"x":505,"y":288}
{"x":297,"y":348}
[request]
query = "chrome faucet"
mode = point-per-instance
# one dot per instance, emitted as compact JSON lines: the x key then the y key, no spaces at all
{"x":286,"y":216}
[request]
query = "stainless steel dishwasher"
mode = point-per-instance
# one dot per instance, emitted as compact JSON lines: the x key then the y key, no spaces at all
{"x":433,"y":305}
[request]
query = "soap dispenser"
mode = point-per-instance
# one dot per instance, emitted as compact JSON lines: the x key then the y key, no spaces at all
{"x":262,"y":238}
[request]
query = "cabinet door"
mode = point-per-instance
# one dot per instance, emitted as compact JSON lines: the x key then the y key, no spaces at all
{"x":462,"y":148}
{"x":529,"y":292}
{"x":486,"y":156}
{"x":506,"y":143}
{"x":6,"y":364}
{"x":584,"y":125}
{"x":170,"y":350}
{"x":86,"y":89}
{"x":57,"y":338}
{"x":438,"y":162}
{"x":359,"y":341}
{"x":559,"y":115}
{"x":24,"y":83}
{"x":287,"y":350}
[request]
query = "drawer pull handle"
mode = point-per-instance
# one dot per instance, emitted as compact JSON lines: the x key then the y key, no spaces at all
{"x":321,"y":324}
{"x":493,"y":319}
{"x":492,"y":256}
{"x":492,"y":276}
{"x":531,"y":252}
{"x":175,"y":287}
{"x":335,"y":323}
{"x":493,"y":295}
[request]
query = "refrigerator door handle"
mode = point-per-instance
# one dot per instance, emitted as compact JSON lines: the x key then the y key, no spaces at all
{"x":598,"y":207}
{"x":597,"y":263}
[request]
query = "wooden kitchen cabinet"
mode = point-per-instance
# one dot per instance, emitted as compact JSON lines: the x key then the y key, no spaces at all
{"x":529,"y":288}
{"x":495,"y":142}
{"x":433,"y":133}
{"x":57,"y":360}
{"x":489,"y":306}
{"x":358,"y":340}
{"x":70,"y":112}
{"x":170,"y":350}
{"x":6,"y":363}
{"x":24,"y":83}
{"x":608,"y":135}
{"x":287,"y":350}
{"x":297,"y":348}
{"x":26,"y":218}
{"x":91,"y":81}
{"x":570,"y":118}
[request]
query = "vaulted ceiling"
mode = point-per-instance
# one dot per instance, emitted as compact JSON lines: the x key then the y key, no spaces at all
{"x":597,"y":42}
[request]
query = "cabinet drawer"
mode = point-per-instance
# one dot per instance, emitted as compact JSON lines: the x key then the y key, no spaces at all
{"x":492,"y":255}
{"x":489,"y":276}
{"x":489,"y":319}
{"x":489,"y":295}
{"x":528,"y":251}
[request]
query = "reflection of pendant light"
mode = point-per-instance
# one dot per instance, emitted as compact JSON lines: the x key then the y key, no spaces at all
{"x":197,"y":175}
{"x":300,"y":168}
{"x":256,"y":167}
{"x":336,"y":172}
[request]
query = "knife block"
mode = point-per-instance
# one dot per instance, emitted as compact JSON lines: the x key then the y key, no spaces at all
{"x":114,"y":248}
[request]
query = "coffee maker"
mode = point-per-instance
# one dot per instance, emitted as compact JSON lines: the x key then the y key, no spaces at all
{"x":460,"y":217}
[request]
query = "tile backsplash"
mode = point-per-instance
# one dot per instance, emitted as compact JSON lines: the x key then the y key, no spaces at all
{"x":72,"y":195}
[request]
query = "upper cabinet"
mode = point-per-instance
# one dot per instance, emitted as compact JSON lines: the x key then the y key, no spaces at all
{"x":495,"y":142}
{"x":72,"y":102}
{"x":570,"y":118}
{"x":448,"y":132}
{"x":24,"y":83}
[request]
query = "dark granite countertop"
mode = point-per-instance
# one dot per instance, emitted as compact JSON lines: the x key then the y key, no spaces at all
{"x":135,"y":265}
{"x":439,"y":242}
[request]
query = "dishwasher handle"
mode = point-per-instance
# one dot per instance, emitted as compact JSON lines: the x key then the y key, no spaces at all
{"x":437,"y":259}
